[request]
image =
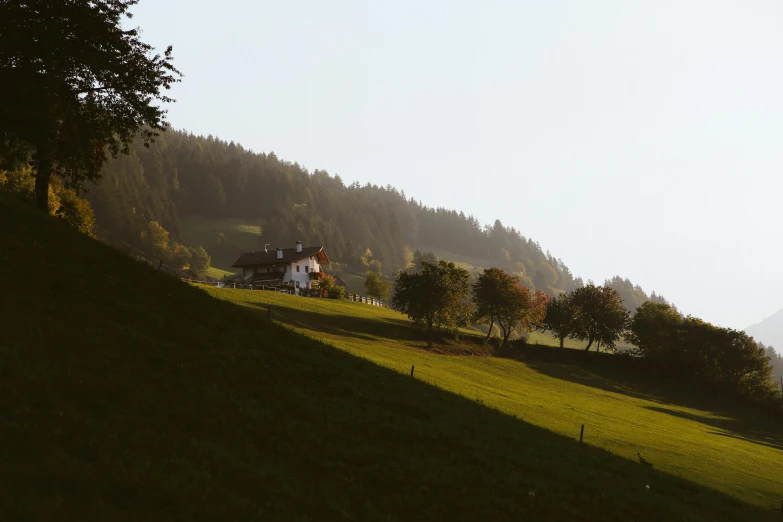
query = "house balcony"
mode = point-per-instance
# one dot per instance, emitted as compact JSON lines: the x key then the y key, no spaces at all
{"x":267,"y":276}
{"x":314,"y":276}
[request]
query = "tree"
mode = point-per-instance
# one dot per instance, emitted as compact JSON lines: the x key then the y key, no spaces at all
{"x":559,"y":318}
{"x":599,"y":315}
{"x":518,"y":309}
{"x":420,"y":257}
{"x":487,"y":295}
{"x":436,"y":297}
{"x":76,"y":86}
{"x":377,"y":287}
{"x":653,"y":329}
{"x":199,"y":261}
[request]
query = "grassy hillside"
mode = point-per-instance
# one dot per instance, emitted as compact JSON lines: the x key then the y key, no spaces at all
{"x":466,"y":262}
{"x":680,"y":433}
{"x":240,"y":236}
{"x":126,"y":394}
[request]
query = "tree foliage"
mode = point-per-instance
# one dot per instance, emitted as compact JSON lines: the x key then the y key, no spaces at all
{"x":519,"y":309}
{"x":76,"y":85}
{"x":434,"y":298}
{"x":62,"y":202}
{"x":376,"y":286}
{"x":501,"y":298}
{"x":598,"y":315}
{"x":691,"y":349}
{"x":559,"y":318}
{"x":487,"y":292}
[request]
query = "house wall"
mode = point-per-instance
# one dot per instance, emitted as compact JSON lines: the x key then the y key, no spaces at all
{"x":303,"y":276}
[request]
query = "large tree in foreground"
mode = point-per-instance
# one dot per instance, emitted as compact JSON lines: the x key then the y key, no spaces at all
{"x":75,"y":86}
{"x":434,"y":298}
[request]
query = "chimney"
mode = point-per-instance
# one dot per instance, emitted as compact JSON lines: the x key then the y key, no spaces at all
{"x":298,"y":246}
{"x":279,"y":253}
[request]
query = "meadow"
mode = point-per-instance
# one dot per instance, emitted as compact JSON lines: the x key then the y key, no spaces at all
{"x":126,"y":394}
{"x":683,"y":434}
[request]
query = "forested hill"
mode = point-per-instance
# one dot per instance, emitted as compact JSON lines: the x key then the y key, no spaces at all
{"x":184,"y":175}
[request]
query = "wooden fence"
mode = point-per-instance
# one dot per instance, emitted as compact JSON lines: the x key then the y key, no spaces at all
{"x":303,"y":292}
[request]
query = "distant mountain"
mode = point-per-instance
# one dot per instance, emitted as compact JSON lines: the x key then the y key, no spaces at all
{"x":769,"y":331}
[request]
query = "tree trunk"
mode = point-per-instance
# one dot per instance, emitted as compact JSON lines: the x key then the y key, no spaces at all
{"x":506,"y":333}
{"x":589,"y":344}
{"x":562,"y":340}
{"x":42,"y":176}
{"x":489,"y":332}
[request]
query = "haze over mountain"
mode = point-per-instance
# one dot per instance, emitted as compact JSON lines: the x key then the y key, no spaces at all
{"x":769,"y":331}
{"x":630,"y":138}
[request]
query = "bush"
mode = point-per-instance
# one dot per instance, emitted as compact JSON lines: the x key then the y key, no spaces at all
{"x":337,"y":292}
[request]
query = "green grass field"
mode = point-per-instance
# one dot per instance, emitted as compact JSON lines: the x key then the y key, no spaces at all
{"x":737,"y":453}
{"x":126,"y":394}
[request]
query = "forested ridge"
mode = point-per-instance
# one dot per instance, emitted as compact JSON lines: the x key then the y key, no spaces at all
{"x":183,"y":174}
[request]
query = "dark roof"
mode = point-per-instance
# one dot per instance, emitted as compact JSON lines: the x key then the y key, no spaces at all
{"x":339,"y":281}
{"x":290,"y":255}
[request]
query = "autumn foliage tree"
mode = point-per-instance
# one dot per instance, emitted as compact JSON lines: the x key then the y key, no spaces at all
{"x":76,"y":85}
{"x":519,"y":310}
{"x":434,"y":298}
{"x":502,"y":299}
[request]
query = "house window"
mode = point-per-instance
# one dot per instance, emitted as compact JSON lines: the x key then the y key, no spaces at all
{"x":307,"y":268}
{"x":297,"y":284}
{"x":297,"y":268}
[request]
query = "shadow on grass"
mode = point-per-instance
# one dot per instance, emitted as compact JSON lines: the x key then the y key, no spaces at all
{"x":626,"y":376}
{"x":378,"y":330}
{"x":735,"y":428}
{"x":176,"y":405}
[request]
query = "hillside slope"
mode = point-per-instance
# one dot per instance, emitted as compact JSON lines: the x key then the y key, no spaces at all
{"x":128,"y":395}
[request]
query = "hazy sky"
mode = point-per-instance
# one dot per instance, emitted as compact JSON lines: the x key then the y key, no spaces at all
{"x":636,"y":138}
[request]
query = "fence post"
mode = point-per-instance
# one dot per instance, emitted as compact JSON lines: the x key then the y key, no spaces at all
{"x":581,"y":433}
{"x":412,"y":367}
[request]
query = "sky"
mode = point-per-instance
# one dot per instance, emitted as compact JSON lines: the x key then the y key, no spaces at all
{"x":641,"y":139}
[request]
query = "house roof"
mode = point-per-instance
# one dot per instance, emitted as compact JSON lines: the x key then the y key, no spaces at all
{"x":290,"y":255}
{"x":339,"y":281}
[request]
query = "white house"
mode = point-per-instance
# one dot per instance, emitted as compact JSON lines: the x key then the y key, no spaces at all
{"x":298,"y":266}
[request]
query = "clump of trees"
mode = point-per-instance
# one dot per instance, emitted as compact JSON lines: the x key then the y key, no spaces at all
{"x":435,"y":297}
{"x":691,"y":349}
{"x":595,"y":314}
